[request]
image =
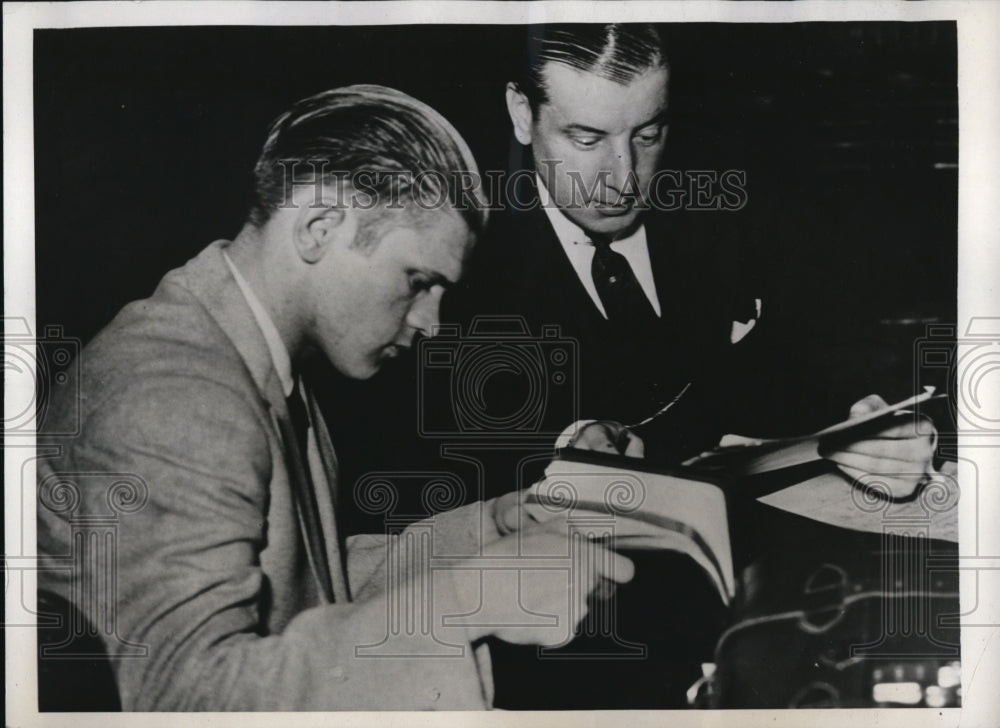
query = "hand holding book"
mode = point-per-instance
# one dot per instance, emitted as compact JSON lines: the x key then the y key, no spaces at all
{"x":877,"y":439}
{"x":902,"y":453}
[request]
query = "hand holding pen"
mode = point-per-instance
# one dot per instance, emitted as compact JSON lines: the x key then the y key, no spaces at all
{"x":608,"y":436}
{"x":614,"y":437}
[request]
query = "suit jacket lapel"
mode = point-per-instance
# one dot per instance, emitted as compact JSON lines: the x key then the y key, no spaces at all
{"x":658,"y":242}
{"x":208,"y":278}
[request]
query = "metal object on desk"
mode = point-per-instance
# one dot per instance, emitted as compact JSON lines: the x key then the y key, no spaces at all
{"x":874,"y":627}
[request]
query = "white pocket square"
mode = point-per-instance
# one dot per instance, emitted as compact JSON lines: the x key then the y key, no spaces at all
{"x":741,"y":329}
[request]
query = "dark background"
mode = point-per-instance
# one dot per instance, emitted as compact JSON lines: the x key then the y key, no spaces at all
{"x":145,"y":137}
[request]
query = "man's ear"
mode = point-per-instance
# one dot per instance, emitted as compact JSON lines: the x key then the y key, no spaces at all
{"x":319,"y":228}
{"x":520,"y":113}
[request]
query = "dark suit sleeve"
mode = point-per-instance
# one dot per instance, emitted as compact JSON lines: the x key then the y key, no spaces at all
{"x":190,"y":583}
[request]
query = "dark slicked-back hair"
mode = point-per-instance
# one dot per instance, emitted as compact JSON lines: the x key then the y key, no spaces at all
{"x":401,"y":147}
{"x":617,"y":52}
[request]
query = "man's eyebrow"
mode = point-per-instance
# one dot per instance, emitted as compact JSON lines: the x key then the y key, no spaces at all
{"x":433,"y":277}
{"x":583,"y":128}
{"x":658,"y":118}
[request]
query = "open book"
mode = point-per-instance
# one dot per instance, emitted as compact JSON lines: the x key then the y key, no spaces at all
{"x":639,"y":505}
{"x":613,"y":496}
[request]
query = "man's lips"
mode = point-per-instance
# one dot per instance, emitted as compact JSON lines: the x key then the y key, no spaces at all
{"x":615,"y":204}
{"x":393,"y":350}
{"x":614,"y":210}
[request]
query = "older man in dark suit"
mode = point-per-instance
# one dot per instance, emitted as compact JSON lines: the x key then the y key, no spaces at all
{"x":657,"y":303}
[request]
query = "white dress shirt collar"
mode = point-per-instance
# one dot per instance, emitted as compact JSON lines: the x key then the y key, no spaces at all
{"x":578,"y":248}
{"x":277,"y":348}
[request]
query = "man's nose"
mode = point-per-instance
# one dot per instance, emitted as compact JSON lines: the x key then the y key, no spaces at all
{"x":620,"y":164}
{"x":424,"y":315}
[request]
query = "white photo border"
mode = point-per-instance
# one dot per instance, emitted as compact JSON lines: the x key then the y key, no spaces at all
{"x":979,"y":273}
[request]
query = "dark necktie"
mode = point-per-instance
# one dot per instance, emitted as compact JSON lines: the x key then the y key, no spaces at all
{"x":624,"y":300}
{"x":305,"y":496}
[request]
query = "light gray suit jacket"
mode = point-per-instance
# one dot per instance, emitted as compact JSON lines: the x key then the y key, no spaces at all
{"x":178,"y":397}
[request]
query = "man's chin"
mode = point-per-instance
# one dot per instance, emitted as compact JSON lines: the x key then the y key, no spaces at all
{"x":362,"y":374}
{"x":360,"y":369}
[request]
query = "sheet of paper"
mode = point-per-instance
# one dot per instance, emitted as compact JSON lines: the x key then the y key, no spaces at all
{"x":831,"y":498}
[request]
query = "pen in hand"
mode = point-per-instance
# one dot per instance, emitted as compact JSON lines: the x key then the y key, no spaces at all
{"x":662,"y":409}
{"x":614,"y":437}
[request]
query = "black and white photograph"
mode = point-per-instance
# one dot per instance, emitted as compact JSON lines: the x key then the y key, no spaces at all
{"x":510,"y":357}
